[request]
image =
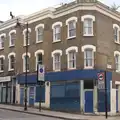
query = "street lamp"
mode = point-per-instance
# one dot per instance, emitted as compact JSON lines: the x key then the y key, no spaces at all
{"x":26,"y":58}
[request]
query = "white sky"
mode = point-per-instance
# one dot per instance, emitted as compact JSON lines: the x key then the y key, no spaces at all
{"x":23,"y":7}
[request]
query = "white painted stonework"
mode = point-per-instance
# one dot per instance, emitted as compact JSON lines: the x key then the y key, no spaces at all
{"x":112,"y":99}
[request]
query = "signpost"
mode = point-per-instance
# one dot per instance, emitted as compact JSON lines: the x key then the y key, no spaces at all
{"x":102,"y":85}
{"x":40,"y":79}
{"x":101,"y":81}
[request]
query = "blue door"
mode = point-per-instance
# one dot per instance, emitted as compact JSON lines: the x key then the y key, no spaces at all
{"x":21,"y":96}
{"x":116,"y":100}
{"x":31,"y":95}
{"x":89,"y":101}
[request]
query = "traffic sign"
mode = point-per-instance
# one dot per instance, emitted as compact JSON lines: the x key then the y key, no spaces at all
{"x":41,"y":73}
{"x":101,"y":80}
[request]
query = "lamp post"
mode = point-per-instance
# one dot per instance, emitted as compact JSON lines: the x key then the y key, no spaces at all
{"x":26,"y":59}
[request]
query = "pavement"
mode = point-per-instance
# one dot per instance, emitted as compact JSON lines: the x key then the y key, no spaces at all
{"x":54,"y":114}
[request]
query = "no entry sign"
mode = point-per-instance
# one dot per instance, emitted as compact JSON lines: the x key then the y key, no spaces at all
{"x":101,"y":80}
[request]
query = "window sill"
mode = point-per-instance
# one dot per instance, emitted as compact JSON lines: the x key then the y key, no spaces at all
{"x":11,"y":46}
{"x":39,"y":42}
{"x":25,"y":71}
{"x":118,"y":71}
{"x":56,"y":70}
{"x":117,"y":42}
{"x":26,"y":45}
{"x":56,"y":41}
{"x":88,"y":35}
{"x":1,"y":48}
{"x":11,"y":70}
{"x":71,"y":68}
{"x":1,"y":71}
{"x":88,"y":67}
{"x":71,"y":37}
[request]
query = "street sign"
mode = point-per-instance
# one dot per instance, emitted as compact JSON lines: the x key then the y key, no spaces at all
{"x":41,"y":73}
{"x":101,"y":80}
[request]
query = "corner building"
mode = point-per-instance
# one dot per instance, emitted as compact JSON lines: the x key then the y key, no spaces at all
{"x":74,"y":42}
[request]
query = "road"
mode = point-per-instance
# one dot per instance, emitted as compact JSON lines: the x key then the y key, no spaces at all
{"x":11,"y":115}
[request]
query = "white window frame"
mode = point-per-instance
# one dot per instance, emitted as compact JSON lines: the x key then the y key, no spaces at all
{"x":36,"y":29}
{"x":24,"y":62}
{"x":53,"y":56}
{"x":118,"y":34}
{"x":93,"y":48}
{"x":36,"y":53}
{"x":75,"y":19}
{"x":53,"y":27}
{"x":83,"y":18}
{"x":117,"y":53}
{"x":9,"y":60}
{"x":2,"y":35}
{"x":2,"y":56}
{"x":24,"y":34}
{"x":72,"y":48}
{"x":10,"y":38}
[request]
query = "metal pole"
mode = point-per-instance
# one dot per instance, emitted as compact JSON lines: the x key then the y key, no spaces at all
{"x":106,"y":109}
{"x":25,"y":108}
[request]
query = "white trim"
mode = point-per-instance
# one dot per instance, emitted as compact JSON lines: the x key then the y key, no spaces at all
{"x":29,"y":29}
{"x":117,"y":82}
{"x":24,"y":54}
{"x":88,"y":47}
{"x":72,"y":48}
{"x":71,"y":19}
{"x":39,"y":51}
{"x":2,"y":56}
{"x":116,"y":53}
{"x":38,"y":26}
{"x":56,"y":51}
{"x":87,"y":16}
{"x":68,"y":59}
{"x":56,"y":23}
{"x":12,"y":53}
{"x":12,"y":31}
{"x":36,"y":29}
{"x":115,"y":25}
{"x":3,"y":34}
{"x":53,"y":55}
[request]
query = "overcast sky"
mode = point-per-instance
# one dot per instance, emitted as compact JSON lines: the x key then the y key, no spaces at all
{"x":24,"y":7}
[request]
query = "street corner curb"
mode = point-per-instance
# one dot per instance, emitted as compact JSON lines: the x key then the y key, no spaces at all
{"x":39,"y":114}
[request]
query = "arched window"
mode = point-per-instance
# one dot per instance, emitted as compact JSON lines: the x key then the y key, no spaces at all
{"x":56,"y":54}
{"x":71,"y":57}
{"x":11,"y":57}
{"x":12,"y":37}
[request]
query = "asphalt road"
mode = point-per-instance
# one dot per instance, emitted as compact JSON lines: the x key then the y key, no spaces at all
{"x":11,"y":115}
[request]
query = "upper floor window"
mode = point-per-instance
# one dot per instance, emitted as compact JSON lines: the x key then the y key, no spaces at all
{"x":71,"y":25}
{"x":88,"y":56}
{"x":11,"y":58}
{"x":12,"y":36}
{"x":39,"y":57}
{"x":117,"y":61}
{"x":57,"y":31}
{"x":116,"y":29}
{"x":88,"y":24}
{"x":2,"y":63}
{"x":2,"y":40}
{"x":27,"y":36}
{"x":26,"y":62}
{"x":56,"y":54}
{"x":39,"y":33}
{"x":71,"y":57}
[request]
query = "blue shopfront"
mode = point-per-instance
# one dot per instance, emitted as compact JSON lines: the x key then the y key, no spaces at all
{"x":66,"y":90}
